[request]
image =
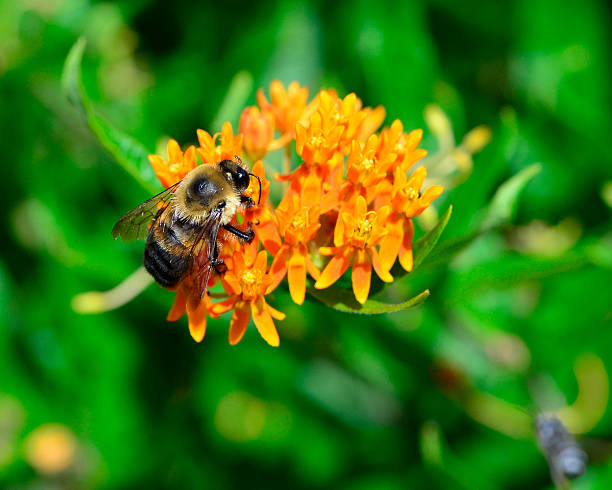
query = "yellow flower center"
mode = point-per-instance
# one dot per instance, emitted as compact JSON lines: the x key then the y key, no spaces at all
{"x":367,"y":164}
{"x":316,"y":141}
{"x":339,"y":118}
{"x":411,"y":194}
{"x":363,"y":230}
{"x":298,"y":223}
{"x":251,"y":283}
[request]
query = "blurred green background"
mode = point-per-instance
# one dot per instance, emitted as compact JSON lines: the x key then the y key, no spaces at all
{"x":436,"y":397}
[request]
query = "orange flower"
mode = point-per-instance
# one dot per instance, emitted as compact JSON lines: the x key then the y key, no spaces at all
{"x":356,"y":236}
{"x":230,"y":145}
{"x":257,"y":129}
{"x":287,"y":105}
{"x":298,"y":218}
{"x":197,"y":310}
{"x":394,"y":141}
{"x":177,"y":166}
{"x":407,"y":201}
{"x":407,"y":197}
{"x":365,"y":169}
{"x":246,"y":282}
{"x":347,"y":113}
{"x":260,"y":215}
{"x":317,"y":142}
{"x":331,"y":130}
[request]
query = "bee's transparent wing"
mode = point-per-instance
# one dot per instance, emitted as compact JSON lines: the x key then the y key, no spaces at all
{"x":134,"y":225}
{"x":204,"y":252}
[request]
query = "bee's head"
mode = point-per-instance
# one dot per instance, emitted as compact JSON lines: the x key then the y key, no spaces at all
{"x":235,"y":174}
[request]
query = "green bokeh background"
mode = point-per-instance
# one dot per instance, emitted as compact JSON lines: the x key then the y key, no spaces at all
{"x":346,"y":402}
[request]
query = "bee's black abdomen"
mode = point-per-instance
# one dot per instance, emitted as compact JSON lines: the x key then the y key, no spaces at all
{"x":167,"y":269}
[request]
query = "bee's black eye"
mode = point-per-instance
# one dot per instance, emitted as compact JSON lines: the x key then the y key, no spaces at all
{"x":235,"y":174}
{"x":242,"y":179}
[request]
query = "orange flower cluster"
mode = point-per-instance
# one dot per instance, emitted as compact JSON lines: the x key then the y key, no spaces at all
{"x":349,"y":203}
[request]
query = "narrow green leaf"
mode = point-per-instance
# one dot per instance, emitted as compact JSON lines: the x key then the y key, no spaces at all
{"x":127,"y":151}
{"x":343,"y":300}
{"x":71,"y":75}
{"x":424,"y":245}
{"x":504,"y":202}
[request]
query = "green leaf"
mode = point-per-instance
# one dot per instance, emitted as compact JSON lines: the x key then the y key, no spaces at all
{"x":344,"y":300}
{"x":424,"y":245}
{"x":72,"y":85}
{"x":127,"y":151}
{"x":504,"y":202}
{"x":498,"y":213}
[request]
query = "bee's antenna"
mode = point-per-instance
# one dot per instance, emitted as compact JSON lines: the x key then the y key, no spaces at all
{"x":258,"y":180}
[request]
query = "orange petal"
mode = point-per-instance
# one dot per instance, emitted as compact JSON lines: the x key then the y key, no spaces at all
{"x":418,"y":177}
{"x":264,"y":323}
{"x":312,"y":269}
{"x":174,"y":151}
{"x":431,"y":194}
{"x":250,"y":253}
{"x":204,"y":139}
{"x":178,"y":307}
{"x":278,"y":269}
{"x":277,"y":315}
{"x":261,"y":263}
{"x":373,"y":121}
{"x":361,"y":207}
{"x":238,"y":324}
{"x":297,"y":276}
{"x":197,"y":321}
{"x":258,"y":169}
{"x":222,"y":306}
{"x":300,"y":138}
{"x":361,"y":275}
{"x":339,"y":230}
{"x":267,"y":232}
{"x":157,"y":163}
{"x":414,"y":138}
{"x":261,"y":99}
{"x":405,"y":251}
{"x":334,"y":270}
{"x":227,"y":134}
{"x":389,"y":249}
{"x":311,"y":190}
{"x":190,"y":158}
{"x":381,"y":271}
{"x":231,"y":283}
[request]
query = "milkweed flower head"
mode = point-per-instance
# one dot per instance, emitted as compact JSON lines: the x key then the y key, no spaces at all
{"x":349,"y":202}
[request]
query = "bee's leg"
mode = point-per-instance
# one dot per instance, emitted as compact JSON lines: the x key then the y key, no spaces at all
{"x":246,"y":236}
{"x":216,"y":262}
{"x":246,"y":201}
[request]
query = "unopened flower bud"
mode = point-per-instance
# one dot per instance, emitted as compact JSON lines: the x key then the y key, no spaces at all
{"x":258,"y":131}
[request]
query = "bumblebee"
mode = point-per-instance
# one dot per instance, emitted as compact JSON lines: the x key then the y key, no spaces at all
{"x":181,"y":225}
